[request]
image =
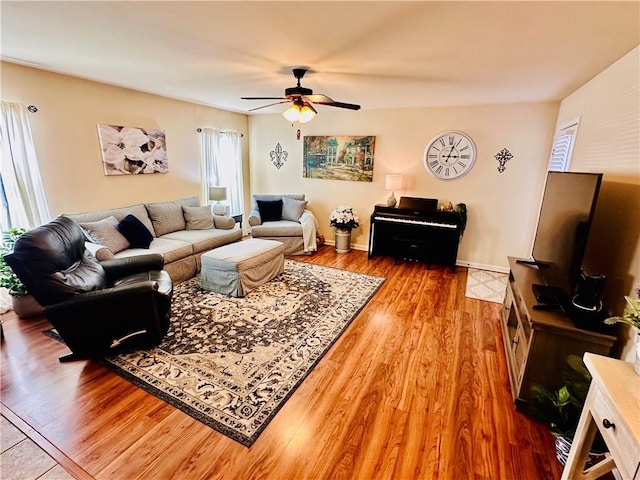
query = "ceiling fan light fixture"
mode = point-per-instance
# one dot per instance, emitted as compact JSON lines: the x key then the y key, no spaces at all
{"x":300,"y":112}
{"x":307,"y":113}
{"x":292,"y":113}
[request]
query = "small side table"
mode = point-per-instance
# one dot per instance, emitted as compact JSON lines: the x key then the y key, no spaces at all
{"x":237,"y":218}
{"x":612,"y":407}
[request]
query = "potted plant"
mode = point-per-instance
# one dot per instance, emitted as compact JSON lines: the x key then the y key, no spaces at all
{"x":343,"y":219}
{"x":24,"y":305}
{"x":631,"y":316}
{"x":560,"y":410}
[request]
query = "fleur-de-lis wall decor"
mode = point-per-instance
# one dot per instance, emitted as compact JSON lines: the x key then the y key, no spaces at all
{"x":278,"y":156}
{"x":503,"y":156}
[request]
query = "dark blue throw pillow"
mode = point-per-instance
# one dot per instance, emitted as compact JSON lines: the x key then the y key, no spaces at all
{"x":134,"y":230}
{"x":270,"y":210}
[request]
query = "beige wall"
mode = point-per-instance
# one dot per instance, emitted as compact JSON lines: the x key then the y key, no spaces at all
{"x":64,"y":130}
{"x":608,"y":141}
{"x":502,"y":206}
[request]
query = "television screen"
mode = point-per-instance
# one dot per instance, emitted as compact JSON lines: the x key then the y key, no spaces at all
{"x":563,"y":226}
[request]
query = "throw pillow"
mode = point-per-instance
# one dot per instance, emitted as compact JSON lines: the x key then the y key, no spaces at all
{"x":198,"y":218}
{"x":99,"y":251}
{"x":105,"y":232}
{"x":292,"y":209}
{"x":270,"y":210}
{"x":134,"y":230}
{"x":167,"y":217}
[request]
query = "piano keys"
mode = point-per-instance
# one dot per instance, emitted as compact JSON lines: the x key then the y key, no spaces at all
{"x":417,"y":231}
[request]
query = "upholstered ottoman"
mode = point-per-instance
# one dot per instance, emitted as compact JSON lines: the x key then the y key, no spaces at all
{"x":240,"y":267}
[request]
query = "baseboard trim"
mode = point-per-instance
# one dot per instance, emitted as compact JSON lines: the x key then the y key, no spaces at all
{"x":459,"y":263}
{"x":482,"y":266}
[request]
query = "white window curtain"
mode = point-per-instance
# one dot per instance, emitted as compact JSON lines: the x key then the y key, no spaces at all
{"x":222,"y":166}
{"x":24,"y":204}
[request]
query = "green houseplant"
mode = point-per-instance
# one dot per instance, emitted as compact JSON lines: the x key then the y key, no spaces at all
{"x":560,"y":409}
{"x":24,"y":305}
{"x":8,"y":278}
{"x":631,"y":317}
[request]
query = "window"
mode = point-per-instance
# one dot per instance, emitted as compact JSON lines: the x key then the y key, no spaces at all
{"x":22,"y":200}
{"x":563,"y":146}
{"x":222,"y":166}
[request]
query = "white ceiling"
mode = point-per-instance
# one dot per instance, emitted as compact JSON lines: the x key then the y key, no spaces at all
{"x":377,"y":54}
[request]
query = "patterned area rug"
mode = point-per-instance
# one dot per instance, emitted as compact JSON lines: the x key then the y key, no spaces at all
{"x":486,"y":285}
{"x":232,"y":363}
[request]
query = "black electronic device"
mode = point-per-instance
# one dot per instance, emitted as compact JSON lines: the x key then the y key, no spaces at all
{"x":548,"y":295}
{"x":566,"y":213}
{"x":588,"y":292}
{"x":548,"y":306}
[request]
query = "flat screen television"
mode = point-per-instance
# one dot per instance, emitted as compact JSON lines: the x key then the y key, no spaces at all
{"x":566,"y":213}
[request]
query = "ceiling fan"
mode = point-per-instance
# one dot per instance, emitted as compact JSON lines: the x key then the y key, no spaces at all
{"x":303,"y":99}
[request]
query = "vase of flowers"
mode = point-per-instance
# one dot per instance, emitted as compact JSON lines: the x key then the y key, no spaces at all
{"x":343,"y":219}
{"x":631,"y":316}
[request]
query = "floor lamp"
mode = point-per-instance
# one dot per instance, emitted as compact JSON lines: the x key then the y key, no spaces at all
{"x":218,"y":194}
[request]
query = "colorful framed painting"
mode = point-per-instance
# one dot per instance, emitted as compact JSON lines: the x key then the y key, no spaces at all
{"x":339,"y":157}
{"x":132,"y":150}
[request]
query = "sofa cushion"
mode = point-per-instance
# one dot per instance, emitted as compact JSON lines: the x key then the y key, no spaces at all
{"x":135,"y":231}
{"x":268,"y":196}
{"x":198,"y":218}
{"x":105,"y":232}
{"x":283,"y":228}
{"x":270,"y":210}
{"x":171,"y":250}
{"x":167,"y":217}
{"x":138,"y":210}
{"x":292,"y":209}
{"x":204,"y":240}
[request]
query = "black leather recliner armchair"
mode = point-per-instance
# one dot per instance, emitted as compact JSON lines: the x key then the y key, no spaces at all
{"x":98,"y":308}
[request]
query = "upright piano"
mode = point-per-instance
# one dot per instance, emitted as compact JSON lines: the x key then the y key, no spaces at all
{"x":416,"y":230}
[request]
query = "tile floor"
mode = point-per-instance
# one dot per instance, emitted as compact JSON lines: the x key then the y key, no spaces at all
{"x":22,"y":459}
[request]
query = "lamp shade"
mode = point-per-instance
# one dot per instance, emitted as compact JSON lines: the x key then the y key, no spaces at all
{"x":217,"y":193}
{"x":393,"y":182}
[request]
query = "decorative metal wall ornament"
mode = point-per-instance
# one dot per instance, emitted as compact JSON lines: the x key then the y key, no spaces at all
{"x":503,"y":156}
{"x":278,"y":156}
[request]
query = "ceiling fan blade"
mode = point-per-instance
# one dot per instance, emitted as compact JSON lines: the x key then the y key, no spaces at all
{"x":318,"y":98}
{"x":263,"y":98}
{"x":286,"y":100}
{"x":350,"y":106}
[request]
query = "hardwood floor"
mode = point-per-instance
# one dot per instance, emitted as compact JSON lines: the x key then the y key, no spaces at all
{"x":416,"y":388}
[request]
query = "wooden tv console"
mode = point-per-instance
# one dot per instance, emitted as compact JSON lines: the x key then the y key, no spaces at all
{"x":538,"y":342}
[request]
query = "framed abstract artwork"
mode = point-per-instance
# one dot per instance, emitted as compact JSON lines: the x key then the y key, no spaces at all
{"x":132,"y":150}
{"x":339,"y":157}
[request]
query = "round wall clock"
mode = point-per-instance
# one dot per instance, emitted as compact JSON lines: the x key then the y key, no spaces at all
{"x":449,"y":155}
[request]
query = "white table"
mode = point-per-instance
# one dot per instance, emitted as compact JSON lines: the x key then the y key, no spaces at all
{"x":612,"y":407}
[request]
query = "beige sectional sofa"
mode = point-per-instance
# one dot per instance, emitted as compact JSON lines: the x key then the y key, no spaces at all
{"x":181,"y":231}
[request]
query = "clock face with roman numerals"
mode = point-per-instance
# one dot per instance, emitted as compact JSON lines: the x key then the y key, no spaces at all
{"x":449,"y":155}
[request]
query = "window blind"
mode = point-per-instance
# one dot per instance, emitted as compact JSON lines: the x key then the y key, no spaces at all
{"x":563,"y":147}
